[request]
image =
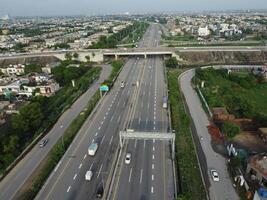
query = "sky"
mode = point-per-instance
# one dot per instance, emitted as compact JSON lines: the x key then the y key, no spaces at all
{"x":96,"y":7}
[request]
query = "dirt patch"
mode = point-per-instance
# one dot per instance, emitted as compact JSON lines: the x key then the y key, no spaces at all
{"x":222,"y":57}
{"x":250,"y":141}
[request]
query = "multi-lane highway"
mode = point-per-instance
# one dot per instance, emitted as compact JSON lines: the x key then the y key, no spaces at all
{"x":68,"y":180}
{"x":222,"y":190}
{"x":12,"y":183}
{"x":150,"y":173}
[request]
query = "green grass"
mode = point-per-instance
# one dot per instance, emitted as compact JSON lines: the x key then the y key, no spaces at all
{"x":59,"y":149}
{"x":186,"y":160}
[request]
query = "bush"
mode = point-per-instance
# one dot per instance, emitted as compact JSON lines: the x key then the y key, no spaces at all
{"x":171,"y":62}
{"x":230,"y":129}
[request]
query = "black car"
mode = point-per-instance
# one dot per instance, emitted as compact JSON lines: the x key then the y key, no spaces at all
{"x":100,"y":192}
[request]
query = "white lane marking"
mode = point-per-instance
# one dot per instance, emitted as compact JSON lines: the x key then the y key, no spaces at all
{"x":153,"y":156}
{"x":155,"y":108}
{"x":93,"y":140}
{"x":146,"y":120}
{"x":139,"y":120}
{"x":154,"y":122}
{"x":102,"y":139}
{"x":112,"y":102}
{"x":111,"y":140}
{"x":91,"y":166}
{"x":154,"y":118}
{"x":111,"y":118}
{"x":152,"y":190}
{"x":68,"y":189}
{"x":155,"y":102}
{"x":99,"y":170}
{"x":104,"y":117}
{"x":118,"y":119}
{"x":85,"y":155}
{"x":130,"y":175}
{"x":144,"y":144}
{"x":154,"y":128}
{"x":148,"y":105}
{"x":153,"y":166}
{"x":102,"y":122}
{"x":141,"y":176}
{"x":124,"y":103}
{"x":57,"y":166}
{"x":74,"y":176}
{"x":99,"y":127}
{"x":106,"y":113}
{"x":96,"y":133}
{"x":152,"y":177}
{"x":155,"y":97}
{"x":153,"y":148}
{"x":135,"y":143}
{"x":80,"y":166}
{"x":153,"y":141}
{"x":109,"y":109}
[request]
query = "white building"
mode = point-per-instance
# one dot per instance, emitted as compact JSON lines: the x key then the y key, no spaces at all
{"x":203,"y":32}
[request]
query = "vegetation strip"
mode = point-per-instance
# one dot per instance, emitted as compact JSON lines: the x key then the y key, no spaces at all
{"x":58,"y":150}
{"x":190,"y":179}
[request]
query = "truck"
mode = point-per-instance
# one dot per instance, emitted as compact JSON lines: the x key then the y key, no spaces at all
{"x":165,"y":102}
{"x":92,"y":149}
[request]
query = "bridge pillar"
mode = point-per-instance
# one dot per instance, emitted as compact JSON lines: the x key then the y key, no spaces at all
{"x":116,"y":56}
{"x":145,"y":56}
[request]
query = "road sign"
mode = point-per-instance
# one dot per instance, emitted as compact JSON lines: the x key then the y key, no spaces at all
{"x":104,"y":88}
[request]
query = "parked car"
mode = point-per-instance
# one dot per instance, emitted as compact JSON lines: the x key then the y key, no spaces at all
{"x":43,"y":143}
{"x":214,"y":175}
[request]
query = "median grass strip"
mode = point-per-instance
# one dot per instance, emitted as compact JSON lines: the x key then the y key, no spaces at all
{"x":191,"y":184}
{"x":62,"y":145}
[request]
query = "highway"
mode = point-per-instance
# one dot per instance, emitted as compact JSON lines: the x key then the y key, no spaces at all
{"x":68,"y":181}
{"x":150,"y":173}
{"x":222,"y":190}
{"x":11,"y":184}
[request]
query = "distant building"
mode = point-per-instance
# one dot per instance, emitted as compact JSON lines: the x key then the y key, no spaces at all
{"x":203,"y":32}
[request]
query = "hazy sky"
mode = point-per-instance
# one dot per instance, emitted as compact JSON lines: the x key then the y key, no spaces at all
{"x":92,"y":7}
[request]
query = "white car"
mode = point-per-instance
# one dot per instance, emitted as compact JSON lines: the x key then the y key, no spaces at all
{"x":88,"y":175}
{"x":122,"y":84}
{"x":128,"y":158}
{"x":214,"y":175}
{"x":92,"y":149}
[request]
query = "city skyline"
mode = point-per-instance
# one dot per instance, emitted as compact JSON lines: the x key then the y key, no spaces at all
{"x":81,"y":7}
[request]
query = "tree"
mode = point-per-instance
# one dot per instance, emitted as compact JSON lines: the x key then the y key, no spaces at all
{"x":235,"y":162}
{"x":76,"y":55}
{"x":68,"y":56}
{"x":29,"y":118}
{"x":171,"y":62}
{"x":12,"y":144}
{"x":87,"y":58}
{"x":230,"y":129}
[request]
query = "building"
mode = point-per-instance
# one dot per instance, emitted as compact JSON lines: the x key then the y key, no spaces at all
{"x":48,"y":89}
{"x":257,"y":168}
{"x":13,"y":70}
{"x":203,"y":32}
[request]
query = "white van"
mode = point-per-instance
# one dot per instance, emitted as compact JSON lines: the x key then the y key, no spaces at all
{"x":92,"y":149}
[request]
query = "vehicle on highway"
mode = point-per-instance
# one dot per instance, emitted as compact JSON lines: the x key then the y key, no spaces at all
{"x":214,"y":175}
{"x":92,"y":149}
{"x":122,"y":84}
{"x":88,"y":175}
{"x":43,"y":143}
{"x":201,"y":138}
{"x":164,"y":102}
{"x":128,"y":158}
{"x":100,"y":192}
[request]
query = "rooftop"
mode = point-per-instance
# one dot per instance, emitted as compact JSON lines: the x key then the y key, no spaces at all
{"x":259,"y":163}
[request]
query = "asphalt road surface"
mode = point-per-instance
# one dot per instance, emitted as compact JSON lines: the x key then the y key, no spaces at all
{"x":68,"y":179}
{"x":11,"y":184}
{"x":222,"y":190}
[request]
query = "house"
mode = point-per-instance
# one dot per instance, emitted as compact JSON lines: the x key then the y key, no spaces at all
{"x":257,"y":168}
{"x":49,"y":89}
{"x":12,"y":87}
{"x":220,"y":114}
{"x":13,"y":70}
{"x":203,"y":32}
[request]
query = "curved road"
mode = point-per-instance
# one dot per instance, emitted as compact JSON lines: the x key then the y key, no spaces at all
{"x":222,"y":190}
